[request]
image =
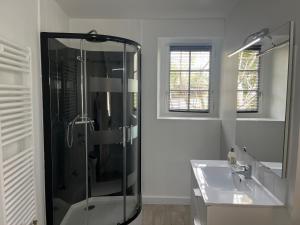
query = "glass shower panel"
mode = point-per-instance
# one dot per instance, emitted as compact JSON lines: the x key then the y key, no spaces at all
{"x":68,"y":169}
{"x":132,"y":124}
{"x":104,"y":70}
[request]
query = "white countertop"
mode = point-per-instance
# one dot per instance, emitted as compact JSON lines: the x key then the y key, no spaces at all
{"x":218,"y":185}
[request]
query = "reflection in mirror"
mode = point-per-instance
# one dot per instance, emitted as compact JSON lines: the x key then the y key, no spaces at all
{"x":263,"y":95}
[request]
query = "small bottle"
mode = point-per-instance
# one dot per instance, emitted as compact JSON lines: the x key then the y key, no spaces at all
{"x":231,"y":157}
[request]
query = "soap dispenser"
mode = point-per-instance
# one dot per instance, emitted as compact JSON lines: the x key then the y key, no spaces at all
{"x":231,"y":157}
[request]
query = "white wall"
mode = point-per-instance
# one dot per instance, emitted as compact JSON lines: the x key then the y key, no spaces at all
{"x":128,"y":28}
{"x":20,"y":23}
{"x":52,"y":17}
{"x":273,"y":84}
{"x":274,"y":75}
{"x":23,"y":28}
{"x":167,"y":145}
{"x":246,"y":18}
{"x":279,"y":83}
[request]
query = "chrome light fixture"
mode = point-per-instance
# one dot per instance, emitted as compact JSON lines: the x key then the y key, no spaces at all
{"x":274,"y":46}
{"x":252,"y":39}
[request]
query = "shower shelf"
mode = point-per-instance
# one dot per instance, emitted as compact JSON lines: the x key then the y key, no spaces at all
{"x":17,"y":184}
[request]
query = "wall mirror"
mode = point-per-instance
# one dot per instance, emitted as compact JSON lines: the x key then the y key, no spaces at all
{"x":264,"y":96}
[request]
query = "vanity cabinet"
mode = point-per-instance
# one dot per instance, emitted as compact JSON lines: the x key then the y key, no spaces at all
{"x":198,"y":207}
{"x":219,"y":211}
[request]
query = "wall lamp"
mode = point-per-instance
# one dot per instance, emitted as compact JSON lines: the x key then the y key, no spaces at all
{"x":252,"y":39}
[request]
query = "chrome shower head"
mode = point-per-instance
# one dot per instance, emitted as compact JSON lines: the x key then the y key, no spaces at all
{"x":95,"y":37}
{"x":93,"y":32}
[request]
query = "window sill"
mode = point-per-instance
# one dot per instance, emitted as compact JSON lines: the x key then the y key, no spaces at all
{"x":259,"y":119}
{"x":188,"y":118}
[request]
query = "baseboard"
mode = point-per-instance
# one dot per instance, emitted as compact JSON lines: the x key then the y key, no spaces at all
{"x":166,"y":200}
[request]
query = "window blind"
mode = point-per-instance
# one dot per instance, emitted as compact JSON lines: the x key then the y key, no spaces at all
{"x":189,"y":78}
{"x":248,"y":87}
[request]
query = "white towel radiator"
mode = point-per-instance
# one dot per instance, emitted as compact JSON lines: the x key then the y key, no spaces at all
{"x":17,"y":184}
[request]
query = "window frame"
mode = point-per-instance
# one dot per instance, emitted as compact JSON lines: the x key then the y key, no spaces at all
{"x":259,"y":93}
{"x":163,"y":61}
{"x":190,"y":49}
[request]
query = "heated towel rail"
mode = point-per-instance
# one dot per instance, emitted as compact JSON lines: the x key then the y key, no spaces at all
{"x":17,"y":184}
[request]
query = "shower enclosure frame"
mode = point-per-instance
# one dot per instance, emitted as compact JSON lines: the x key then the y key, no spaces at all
{"x":44,"y":37}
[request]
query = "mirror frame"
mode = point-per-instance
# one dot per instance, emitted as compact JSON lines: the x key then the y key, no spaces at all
{"x":290,"y":91}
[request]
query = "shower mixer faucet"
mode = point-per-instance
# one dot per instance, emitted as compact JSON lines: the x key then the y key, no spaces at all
{"x":78,"y":120}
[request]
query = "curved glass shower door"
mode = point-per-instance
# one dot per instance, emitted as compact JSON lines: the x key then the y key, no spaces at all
{"x":107,"y":152}
{"x":105,"y":149}
{"x":93,"y":156}
{"x":132,"y":119}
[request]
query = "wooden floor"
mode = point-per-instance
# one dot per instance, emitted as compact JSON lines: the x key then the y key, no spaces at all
{"x":166,"y":215}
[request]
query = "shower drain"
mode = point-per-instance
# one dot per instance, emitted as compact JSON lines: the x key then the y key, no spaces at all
{"x":90,"y":207}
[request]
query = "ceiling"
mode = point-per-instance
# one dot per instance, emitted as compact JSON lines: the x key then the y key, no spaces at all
{"x":147,"y":9}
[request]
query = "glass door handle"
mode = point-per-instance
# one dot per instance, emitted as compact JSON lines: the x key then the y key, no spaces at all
{"x":130,"y":130}
{"x":127,"y":132}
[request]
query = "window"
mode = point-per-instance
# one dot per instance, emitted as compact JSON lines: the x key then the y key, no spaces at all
{"x":189,"y":78}
{"x":248,"y":81}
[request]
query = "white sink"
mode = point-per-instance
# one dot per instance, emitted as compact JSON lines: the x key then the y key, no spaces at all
{"x":218,"y":185}
{"x":223,"y":179}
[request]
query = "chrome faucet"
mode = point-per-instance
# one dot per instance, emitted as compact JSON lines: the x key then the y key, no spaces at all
{"x":245,"y":170}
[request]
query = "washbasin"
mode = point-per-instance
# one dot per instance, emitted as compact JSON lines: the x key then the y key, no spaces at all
{"x":222,"y":178}
{"x":218,"y":184}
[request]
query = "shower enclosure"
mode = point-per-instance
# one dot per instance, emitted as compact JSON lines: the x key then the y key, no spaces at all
{"x":91,"y":100}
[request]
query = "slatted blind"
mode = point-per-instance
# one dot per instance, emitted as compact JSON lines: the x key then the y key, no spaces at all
{"x":17,"y":185}
{"x":248,"y":87}
{"x":189,"y":78}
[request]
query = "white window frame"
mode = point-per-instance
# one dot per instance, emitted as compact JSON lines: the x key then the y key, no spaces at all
{"x":163,"y":73}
